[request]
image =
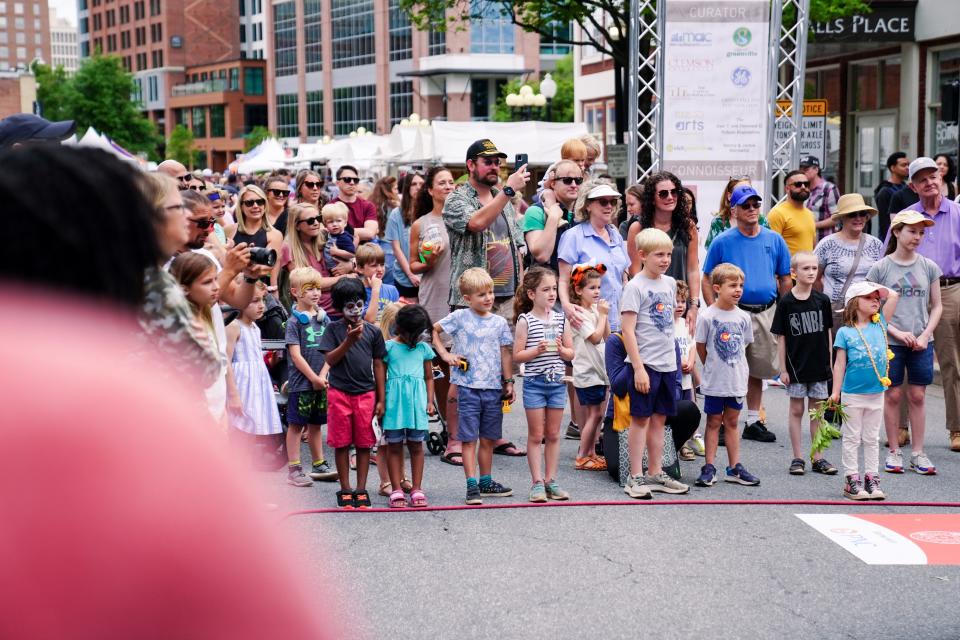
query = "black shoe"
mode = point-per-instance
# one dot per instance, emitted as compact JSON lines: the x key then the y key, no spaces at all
{"x":573,"y":431}
{"x":758,"y":431}
{"x":495,"y":490}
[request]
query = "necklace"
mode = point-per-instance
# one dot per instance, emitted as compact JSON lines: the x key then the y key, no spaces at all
{"x":884,"y":380}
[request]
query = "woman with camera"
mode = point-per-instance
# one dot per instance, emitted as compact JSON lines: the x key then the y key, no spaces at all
{"x":254,"y":228}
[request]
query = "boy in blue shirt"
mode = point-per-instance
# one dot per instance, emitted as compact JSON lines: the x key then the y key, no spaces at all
{"x":371,"y":267}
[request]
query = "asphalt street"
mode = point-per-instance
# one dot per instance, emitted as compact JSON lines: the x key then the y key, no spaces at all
{"x":638,"y":570}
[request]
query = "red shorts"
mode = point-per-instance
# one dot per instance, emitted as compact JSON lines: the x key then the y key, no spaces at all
{"x":350,"y":419}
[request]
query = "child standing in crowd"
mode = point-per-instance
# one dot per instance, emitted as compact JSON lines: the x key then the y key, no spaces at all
{"x":541,"y":342}
{"x":307,"y":401}
{"x":863,"y":367}
{"x":722,"y":335}
{"x":589,"y":370}
{"x":481,"y":366}
{"x":371,"y":266}
{"x":646,"y":321}
{"x":916,"y":279}
{"x":338,"y":244}
{"x":689,"y":378}
{"x":251,"y":404}
{"x":355,"y":391}
{"x":803,"y":322}
{"x":409,"y":399}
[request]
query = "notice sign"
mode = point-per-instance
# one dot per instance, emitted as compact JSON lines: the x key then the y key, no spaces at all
{"x":813,"y":130}
{"x":915,"y":538}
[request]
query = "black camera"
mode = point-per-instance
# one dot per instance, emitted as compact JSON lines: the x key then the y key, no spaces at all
{"x":264,"y":256}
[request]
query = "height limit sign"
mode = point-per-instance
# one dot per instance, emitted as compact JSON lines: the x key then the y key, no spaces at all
{"x":813,"y":130}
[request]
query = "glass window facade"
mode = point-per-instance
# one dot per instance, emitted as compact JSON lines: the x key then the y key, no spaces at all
{"x":493,"y":32}
{"x":285,"y":38}
{"x":945,"y":106}
{"x":401,"y":35}
{"x":311,"y":35}
{"x":314,"y":114}
{"x":401,"y":100}
{"x":288,"y":125}
{"x":199,"y":122}
{"x":354,"y":107}
{"x":549,"y":45}
{"x":437,"y":43}
{"x":218,"y":128}
{"x":253,"y":81}
{"x":353,"y":33}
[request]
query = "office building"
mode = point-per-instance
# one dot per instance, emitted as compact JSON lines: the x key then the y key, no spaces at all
{"x":64,"y":48}
{"x":24,"y":34}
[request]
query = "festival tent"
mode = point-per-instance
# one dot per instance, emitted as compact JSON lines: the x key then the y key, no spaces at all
{"x":541,"y":141}
{"x":97,"y":140}
{"x":267,"y":156}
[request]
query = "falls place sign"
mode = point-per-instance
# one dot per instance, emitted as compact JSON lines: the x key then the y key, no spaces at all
{"x":887,"y":22}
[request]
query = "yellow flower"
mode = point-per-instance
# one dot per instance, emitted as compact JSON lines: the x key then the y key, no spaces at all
{"x":885,"y":381}
{"x":889,"y":354}
{"x":875,"y":317}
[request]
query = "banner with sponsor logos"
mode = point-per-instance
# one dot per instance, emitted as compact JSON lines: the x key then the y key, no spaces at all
{"x":716,"y":102}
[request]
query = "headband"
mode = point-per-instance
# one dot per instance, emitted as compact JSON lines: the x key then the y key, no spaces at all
{"x":581,"y":270}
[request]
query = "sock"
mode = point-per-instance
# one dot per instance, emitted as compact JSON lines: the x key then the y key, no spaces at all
{"x":294,"y":463}
{"x":752,"y":416}
{"x":471,"y":483}
{"x":486,"y":481}
{"x":317,"y":463}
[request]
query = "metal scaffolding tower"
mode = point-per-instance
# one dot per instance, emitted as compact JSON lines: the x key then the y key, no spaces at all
{"x":644,"y":88}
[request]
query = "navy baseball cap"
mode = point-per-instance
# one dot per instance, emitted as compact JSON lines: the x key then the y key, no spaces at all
{"x":810,"y":161}
{"x":742,"y":193}
{"x":26,"y":127}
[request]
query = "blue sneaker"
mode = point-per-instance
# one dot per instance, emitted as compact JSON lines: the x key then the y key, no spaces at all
{"x":708,"y":476}
{"x":741,"y":476}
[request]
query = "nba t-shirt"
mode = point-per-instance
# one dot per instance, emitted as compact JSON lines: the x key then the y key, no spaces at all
{"x":806,"y":325}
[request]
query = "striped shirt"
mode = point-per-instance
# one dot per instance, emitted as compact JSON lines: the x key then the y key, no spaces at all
{"x":548,"y":361}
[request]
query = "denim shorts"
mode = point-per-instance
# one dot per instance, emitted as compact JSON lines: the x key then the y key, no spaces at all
{"x":714,"y":405}
{"x":399,"y":436}
{"x":591,"y":396}
{"x":815,"y":390}
{"x":544,"y":392}
{"x":917,"y":364}
{"x":662,"y":397}
{"x":481,"y":414}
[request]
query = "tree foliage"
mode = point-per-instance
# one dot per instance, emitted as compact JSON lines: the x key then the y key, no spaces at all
{"x":180,"y":146}
{"x":561,"y":107}
{"x":98,"y":96}
{"x":255,"y":137}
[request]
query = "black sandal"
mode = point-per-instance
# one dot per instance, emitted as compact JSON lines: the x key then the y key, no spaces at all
{"x":345,"y":500}
{"x":361,"y":500}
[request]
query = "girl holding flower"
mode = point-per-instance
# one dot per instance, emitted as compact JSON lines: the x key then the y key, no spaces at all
{"x":863,"y":366}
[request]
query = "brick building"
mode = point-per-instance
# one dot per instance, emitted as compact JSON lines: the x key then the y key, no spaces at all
{"x":24,"y":33}
{"x":18,"y":91}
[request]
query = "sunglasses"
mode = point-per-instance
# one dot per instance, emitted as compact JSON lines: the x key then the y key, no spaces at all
{"x":490,"y":162}
{"x":350,"y":179}
{"x":259,"y":202}
{"x":311,"y":185}
{"x":750,"y":206}
{"x":663,"y":194}
{"x":280,"y":193}
{"x":568,"y":180}
{"x":185,"y":177}
{"x":204,"y":223}
{"x":607,"y":202}
{"x":196,"y":188}
{"x":859,"y":214}
{"x":800,"y":184}
{"x":310,"y":221}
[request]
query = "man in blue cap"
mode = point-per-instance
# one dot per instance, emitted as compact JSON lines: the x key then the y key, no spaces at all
{"x":765,"y":259}
{"x":24,"y":128}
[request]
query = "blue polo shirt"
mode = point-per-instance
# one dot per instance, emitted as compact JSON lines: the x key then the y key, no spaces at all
{"x":581,"y":244}
{"x":762,"y":258}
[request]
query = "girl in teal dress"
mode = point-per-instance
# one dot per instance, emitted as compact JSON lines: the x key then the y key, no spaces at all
{"x":409,"y":392}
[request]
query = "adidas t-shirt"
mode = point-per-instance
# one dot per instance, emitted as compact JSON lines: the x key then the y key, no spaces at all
{"x":912,"y":283}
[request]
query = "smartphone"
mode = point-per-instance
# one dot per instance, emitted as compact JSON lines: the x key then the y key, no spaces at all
{"x":520,"y":160}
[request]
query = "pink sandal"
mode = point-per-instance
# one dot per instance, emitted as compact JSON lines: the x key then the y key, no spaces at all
{"x":418,"y":499}
{"x":397,"y":500}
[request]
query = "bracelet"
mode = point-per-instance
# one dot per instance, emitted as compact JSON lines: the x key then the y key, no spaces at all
{"x":249,"y":280}
{"x":507,"y":380}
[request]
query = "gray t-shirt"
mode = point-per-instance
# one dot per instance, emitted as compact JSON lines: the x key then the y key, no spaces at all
{"x":653,"y":302}
{"x":836,"y":257}
{"x":912,"y":283}
{"x":726,"y":335}
{"x":307,"y":336}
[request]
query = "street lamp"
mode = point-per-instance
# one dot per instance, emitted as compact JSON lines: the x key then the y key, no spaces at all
{"x":548,"y":88}
{"x":525,"y":100}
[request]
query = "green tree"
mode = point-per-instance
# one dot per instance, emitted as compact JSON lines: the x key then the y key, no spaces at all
{"x":180,"y":146}
{"x":53,"y":88}
{"x":561,"y":107}
{"x":256,"y":136}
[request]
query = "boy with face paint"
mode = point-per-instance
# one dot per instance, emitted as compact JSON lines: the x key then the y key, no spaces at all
{"x":355,"y":390}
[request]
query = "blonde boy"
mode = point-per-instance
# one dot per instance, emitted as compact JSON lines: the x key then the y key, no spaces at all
{"x":480,"y":366}
{"x":370,"y":266}
{"x":646,"y":320}
{"x":338,"y":242}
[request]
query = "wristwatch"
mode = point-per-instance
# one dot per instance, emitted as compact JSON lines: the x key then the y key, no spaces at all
{"x":509,"y":191}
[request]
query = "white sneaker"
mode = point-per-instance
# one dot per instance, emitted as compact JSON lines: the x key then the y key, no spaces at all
{"x":664,"y":483}
{"x":636,"y":489}
{"x":920,"y":463}
{"x":894,"y":462}
{"x":696,"y":443}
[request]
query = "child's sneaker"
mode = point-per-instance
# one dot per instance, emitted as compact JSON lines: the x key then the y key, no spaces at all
{"x":322,"y":471}
{"x":894,"y":462}
{"x":707,"y":477}
{"x":798,"y":467}
{"x":473,"y":495}
{"x":871,"y":484}
{"x":665,"y":484}
{"x":920,"y":463}
{"x":696,"y":443}
{"x":297,"y":478}
{"x":554,"y":492}
{"x":495,"y":490}
{"x":538,"y":493}
{"x":636,"y":489}
{"x":823,"y":466}
{"x":686,"y":454}
{"x":345,"y":499}
{"x":853,"y":489}
{"x":572,"y":432}
{"x":740,"y":475}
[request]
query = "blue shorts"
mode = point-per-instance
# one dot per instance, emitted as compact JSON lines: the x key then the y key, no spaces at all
{"x":399,"y":436}
{"x":307,"y":407}
{"x":480,"y":413}
{"x":662,"y":397}
{"x":543,"y":391}
{"x":917,"y":364}
{"x":591,"y":396}
{"x":714,"y":405}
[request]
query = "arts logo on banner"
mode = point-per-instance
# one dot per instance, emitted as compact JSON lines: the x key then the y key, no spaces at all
{"x":740,"y":77}
{"x":742,"y":37}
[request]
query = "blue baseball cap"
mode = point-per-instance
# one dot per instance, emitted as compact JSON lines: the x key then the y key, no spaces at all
{"x":742,"y":193}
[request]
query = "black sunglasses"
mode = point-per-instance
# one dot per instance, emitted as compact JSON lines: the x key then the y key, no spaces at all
{"x":258,"y":202}
{"x":568,"y":180}
{"x":204,"y":223}
{"x":310,"y":221}
{"x":312,"y":185}
{"x":607,"y":202}
{"x":666,"y":193}
{"x":350,"y":179}
{"x":196,"y":188}
{"x":800,"y":183}
{"x":490,"y":162}
{"x":750,"y":206}
{"x":280,"y":193}
{"x":185,"y":177}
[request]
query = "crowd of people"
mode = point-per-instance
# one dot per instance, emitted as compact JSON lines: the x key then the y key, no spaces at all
{"x":432,"y":296}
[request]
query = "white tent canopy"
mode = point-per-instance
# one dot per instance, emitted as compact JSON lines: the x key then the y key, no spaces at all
{"x":541,"y":141}
{"x":99,"y":141}
{"x":266,"y":156}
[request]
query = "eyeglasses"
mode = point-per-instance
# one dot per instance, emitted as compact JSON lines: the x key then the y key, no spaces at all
{"x":259,"y":202}
{"x":800,"y":184}
{"x":607,"y":202}
{"x":568,"y":180}
{"x":280,"y":193}
{"x":859,"y":214}
{"x":490,"y":162}
{"x":203,"y":223}
{"x":312,"y":185}
{"x":750,"y":206}
{"x":350,"y":179}
{"x":663,"y":194}
{"x":309,"y":221}
{"x":196,"y":188}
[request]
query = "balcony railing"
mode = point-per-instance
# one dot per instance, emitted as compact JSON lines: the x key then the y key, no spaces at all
{"x":207,"y":86}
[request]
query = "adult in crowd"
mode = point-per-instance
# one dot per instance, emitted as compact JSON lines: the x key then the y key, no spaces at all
{"x":790,"y":218}
{"x":941,"y":244}
{"x":26,"y":128}
{"x":398,"y":236}
{"x":664,"y":206}
{"x":594,"y":239}
{"x":898,"y":166}
{"x":721,"y":219}
{"x":308,"y":188}
{"x":544,"y":224}
{"x":824,"y":196}
{"x":175,"y":170}
{"x":195,"y":182}
{"x":362,"y":216}
{"x":385,"y":197}
{"x":631,"y":199}
{"x":277,"y":190}
{"x":846,"y":255}
{"x":232,"y":187}
{"x":948,"y":175}
{"x":763,"y":255}
{"x":253,"y":227}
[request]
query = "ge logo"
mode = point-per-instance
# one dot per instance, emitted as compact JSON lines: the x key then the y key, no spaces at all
{"x":740,"y":77}
{"x":937,"y":537}
{"x":742,"y":37}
